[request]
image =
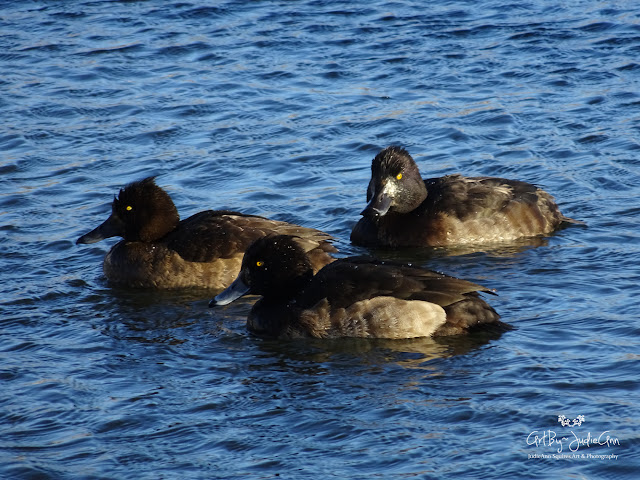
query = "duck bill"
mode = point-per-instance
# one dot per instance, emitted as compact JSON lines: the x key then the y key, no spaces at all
{"x":112,"y":227}
{"x":234,"y":291}
{"x":378,"y":206}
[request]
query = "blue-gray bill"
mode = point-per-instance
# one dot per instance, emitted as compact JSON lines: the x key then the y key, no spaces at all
{"x":112,"y":227}
{"x":234,"y":291}
{"x":378,"y":206}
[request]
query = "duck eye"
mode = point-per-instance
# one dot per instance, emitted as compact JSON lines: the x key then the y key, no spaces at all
{"x":129,"y":208}
{"x":399,"y":176}
{"x":259,"y":263}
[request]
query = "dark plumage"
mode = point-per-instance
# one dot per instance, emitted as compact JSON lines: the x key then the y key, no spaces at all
{"x":351,"y":297}
{"x":404,"y":210}
{"x":204,"y":250}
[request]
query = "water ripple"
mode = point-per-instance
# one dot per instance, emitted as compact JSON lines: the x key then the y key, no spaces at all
{"x":277,"y":109}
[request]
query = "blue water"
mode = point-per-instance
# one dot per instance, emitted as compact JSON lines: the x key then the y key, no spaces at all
{"x":277,"y":108}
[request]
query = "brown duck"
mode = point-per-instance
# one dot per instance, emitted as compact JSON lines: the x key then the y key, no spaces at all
{"x":352,"y":297}
{"x":159,"y":250}
{"x":406,"y":211}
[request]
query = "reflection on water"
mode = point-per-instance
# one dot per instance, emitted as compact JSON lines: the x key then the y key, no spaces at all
{"x":410,"y":353}
{"x":277,"y":109}
{"x":423,"y":255}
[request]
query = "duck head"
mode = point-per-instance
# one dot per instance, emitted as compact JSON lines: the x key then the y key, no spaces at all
{"x":142,"y":212}
{"x":275,"y":267}
{"x":396,"y":184}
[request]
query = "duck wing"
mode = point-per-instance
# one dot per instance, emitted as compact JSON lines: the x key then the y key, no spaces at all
{"x":350,"y":280}
{"x":213,"y":234}
{"x":465,"y":197}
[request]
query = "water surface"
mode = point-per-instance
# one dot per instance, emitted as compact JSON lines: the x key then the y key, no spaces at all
{"x":277,"y":108}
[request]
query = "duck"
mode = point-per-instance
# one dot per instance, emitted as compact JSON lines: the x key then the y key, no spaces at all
{"x":404,"y":210}
{"x":352,"y":297}
{"x":160,"y":251}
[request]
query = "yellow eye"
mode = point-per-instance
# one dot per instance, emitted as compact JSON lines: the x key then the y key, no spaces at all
{"x":259,"y":263}
{"x":129,"y":208}
{"x":399,"y":176}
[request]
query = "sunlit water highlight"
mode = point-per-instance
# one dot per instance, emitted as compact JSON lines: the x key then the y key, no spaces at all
{"x":277,"y":108}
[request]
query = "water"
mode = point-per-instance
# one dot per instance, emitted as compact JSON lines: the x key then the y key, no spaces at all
{"x":277,"y":108}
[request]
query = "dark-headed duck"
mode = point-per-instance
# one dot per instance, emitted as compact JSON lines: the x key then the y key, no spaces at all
{"x":406,"y":211}
{"x":351,"y":297}
{"x":205,"y":250}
